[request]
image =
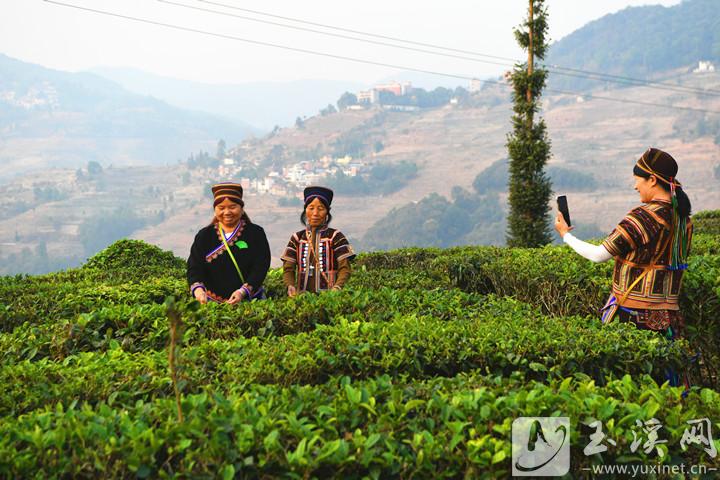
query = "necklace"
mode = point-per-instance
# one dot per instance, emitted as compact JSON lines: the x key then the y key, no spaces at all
{"x":311,"y":251}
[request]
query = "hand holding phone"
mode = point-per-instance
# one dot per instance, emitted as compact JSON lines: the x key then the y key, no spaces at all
{"x":563,"y":208}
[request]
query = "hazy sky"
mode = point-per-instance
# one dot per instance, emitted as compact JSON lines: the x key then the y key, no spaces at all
{"x":68,"y":39}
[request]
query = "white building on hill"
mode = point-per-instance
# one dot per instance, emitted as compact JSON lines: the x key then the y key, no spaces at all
{"x":475,"y":85}
{"x":704,"y":67}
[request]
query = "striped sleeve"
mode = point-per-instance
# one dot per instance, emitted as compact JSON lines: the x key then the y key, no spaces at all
{"x":633,"y":232}
{"x":342,"y":248}
{"x":290,"y":253}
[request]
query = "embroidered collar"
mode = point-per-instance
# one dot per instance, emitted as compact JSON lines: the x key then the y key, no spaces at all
{"x":234,"y":236}
{"x":319,"y":231}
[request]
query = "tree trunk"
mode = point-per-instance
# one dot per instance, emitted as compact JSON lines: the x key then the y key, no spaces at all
{"x":531,"y":57}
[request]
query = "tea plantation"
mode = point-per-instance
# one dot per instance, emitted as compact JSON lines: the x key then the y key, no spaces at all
{"x":416,"y":370}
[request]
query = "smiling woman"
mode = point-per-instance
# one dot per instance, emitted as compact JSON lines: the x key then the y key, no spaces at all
{"x":650,"y":247}
{"x":229,"y":258}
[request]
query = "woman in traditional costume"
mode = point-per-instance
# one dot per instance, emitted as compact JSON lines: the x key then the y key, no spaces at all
{"x":318,"y":257}
{"x":650,"y":247}
{"x":229,"y":258}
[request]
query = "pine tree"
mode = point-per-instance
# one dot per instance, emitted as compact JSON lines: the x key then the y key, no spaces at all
{"x":528,"y":144}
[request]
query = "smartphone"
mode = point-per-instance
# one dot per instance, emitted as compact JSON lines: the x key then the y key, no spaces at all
{"x":563,"y":207}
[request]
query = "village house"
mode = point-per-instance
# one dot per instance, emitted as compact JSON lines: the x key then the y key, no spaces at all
{"x":704,"y":67}
{"x":372,"y":96}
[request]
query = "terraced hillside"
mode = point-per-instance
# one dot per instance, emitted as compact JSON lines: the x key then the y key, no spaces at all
{"x":416,"y":370}
{"x":451,"y":146}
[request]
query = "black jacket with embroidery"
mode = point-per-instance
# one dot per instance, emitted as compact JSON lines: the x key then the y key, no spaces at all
{"x":210,"y":267}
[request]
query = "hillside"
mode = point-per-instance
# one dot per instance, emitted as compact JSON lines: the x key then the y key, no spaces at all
{"x":50,"y":118}
{"x":451,"y":146}
{"x":642,"y":42}
{"x":417,"y":369}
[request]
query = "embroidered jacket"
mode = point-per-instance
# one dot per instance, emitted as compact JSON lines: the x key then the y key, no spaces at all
{"x":642,"y":241}
{"x":210,"y":267}
{"x":318,"y":263}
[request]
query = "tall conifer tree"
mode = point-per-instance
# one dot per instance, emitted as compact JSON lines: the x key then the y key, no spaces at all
{"x":528,"y":144}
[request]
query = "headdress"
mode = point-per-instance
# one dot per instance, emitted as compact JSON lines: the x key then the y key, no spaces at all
{"x":664,"y":167}
{"x":325,"y":195}
{"x":229,"y":190}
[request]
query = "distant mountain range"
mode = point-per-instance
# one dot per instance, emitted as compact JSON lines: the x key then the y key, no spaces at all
{"x":643,"y":42}
{"x":263,"y":104}
{"x":123,"y":116}
{"x":90,"y":116}
{"x":640,"y":42}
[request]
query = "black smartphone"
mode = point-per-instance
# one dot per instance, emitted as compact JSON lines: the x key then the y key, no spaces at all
{"x":563,"y":207}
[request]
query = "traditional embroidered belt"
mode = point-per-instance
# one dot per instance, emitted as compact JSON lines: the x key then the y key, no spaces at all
{"x":646,"y":266}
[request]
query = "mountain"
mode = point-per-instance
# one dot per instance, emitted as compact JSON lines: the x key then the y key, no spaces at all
{"x":640,"y":41}
{"x":264,"y":104}
{"x":50,"y":117}
{"x":459,"y":152}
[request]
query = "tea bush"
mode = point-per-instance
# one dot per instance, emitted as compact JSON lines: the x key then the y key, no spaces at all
{"x":141,"y":326}
{"x":504,"y":337}
{"x":561,"y":283}
{"x":416,"y":369}
{"x":707,"y":221}
{"x":376,"y":428}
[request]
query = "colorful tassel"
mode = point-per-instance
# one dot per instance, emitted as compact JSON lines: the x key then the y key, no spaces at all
{"x":679,"y":245}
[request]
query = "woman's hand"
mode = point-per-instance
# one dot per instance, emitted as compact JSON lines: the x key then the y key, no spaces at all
{"x":292,"y":291}
{"x":237,"y":296}
{"x":200,"y":295}
{"x":561,"y":226}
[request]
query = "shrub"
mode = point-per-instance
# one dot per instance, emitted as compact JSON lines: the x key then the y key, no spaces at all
{"x":135,"y":257}
{"x":500,"y":337}
{"x":375,"y":428}
{"x":707,"y":221}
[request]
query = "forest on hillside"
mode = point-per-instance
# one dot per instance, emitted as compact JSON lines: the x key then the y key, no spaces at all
{"x":639,"y":42}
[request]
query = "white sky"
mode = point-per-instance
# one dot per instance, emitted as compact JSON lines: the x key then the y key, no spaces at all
{"x":68,"y":39}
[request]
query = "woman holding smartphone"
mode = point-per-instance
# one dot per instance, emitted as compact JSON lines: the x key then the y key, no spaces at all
{"x":650,"y":247}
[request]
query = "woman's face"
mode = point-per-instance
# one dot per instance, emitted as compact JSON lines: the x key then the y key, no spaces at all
{"x":316,"y":213}
{"x":645,"y":186}
{"x":228,"y":212}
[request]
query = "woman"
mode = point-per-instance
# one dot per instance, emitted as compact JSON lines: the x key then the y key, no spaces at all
{"x":650,"y":246}
{"x":318,"y":257}
{"x":229,"y":258}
